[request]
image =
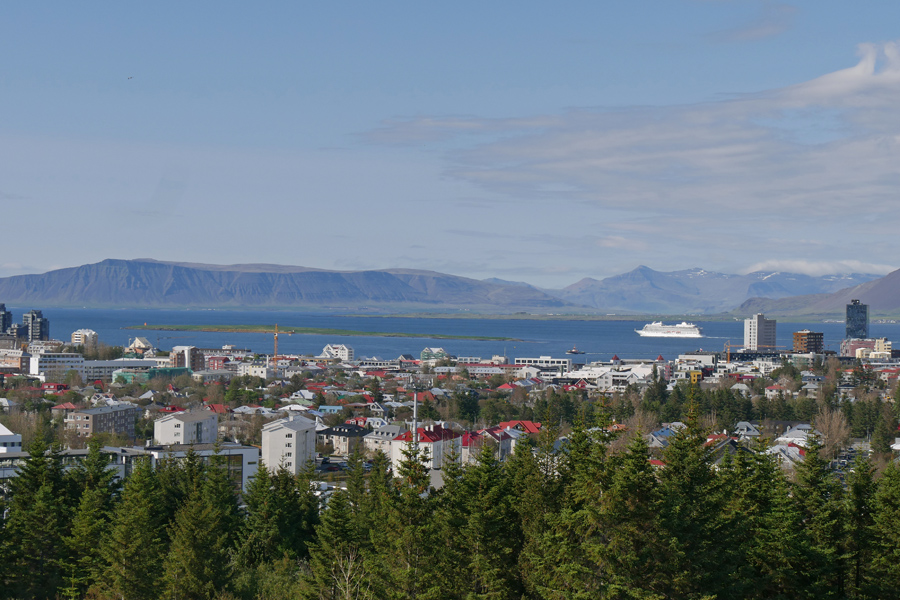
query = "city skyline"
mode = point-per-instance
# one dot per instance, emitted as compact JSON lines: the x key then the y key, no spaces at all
{"x":520,"y":141}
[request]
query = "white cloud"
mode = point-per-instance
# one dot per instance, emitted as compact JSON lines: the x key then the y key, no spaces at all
{"x":819,"y":268}
{"x":749,"y":174}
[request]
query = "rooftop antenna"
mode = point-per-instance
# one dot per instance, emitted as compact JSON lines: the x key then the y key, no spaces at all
{"x":415,"y":418}
{"x":275,"y":358}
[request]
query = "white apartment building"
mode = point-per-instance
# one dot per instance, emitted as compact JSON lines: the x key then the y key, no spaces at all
{"x":262,"y":371}
{"x":289,"y":443}
{"x":186,"y":428}
{"x":84,"y":337}
{"x":341,"y":352}
{"x":547,"y":363}
{"x":381,"y":439}
{"x":759,"y":334}
{"x":436,"y":443}
{"x":103,"y":369}
{"x":9,"y":441}
{"x":55,"y":365}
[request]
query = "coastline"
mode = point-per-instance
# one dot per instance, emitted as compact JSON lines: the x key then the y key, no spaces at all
{"x":315,"y":331}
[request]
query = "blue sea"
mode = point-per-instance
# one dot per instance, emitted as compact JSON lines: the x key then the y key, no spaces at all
{"x":600,"y":340}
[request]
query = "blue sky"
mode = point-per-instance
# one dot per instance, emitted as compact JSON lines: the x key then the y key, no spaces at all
{"x":533,"y":141}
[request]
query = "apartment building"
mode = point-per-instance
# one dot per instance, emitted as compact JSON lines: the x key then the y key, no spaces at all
{"x":289,"y":443}
{"x":118,"y":420}
{"x":186,"y":428}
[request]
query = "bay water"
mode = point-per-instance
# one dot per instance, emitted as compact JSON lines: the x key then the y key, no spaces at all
{"x":600,"y":340}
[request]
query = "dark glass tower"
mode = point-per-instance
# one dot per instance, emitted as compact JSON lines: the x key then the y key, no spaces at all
{"x":5,"y":319}
{"x":38,"y":327}
{"x":857,"y":320}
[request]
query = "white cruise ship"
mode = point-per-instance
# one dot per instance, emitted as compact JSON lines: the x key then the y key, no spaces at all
{"x":657,"y":329}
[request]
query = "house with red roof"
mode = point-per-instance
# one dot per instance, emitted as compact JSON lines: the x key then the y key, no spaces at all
{"x":526,"y":426}
{"x":436,"y":441}
{"x":61,"y":410}
{"x":473,"y":443}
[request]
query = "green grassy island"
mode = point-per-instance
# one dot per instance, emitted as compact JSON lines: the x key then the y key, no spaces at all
{"x":316,"y":331}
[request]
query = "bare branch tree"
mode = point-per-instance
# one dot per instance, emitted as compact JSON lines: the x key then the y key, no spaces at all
{"x":834,"y":428}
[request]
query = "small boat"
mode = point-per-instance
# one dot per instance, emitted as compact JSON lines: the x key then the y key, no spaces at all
{"x":574,"y":350}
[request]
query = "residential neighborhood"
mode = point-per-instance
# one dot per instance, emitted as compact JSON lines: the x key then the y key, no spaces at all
{"x":334,"y":426}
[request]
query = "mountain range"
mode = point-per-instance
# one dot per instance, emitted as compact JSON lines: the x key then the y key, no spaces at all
{"x":152,"y":283}
{"x":692,"y":291}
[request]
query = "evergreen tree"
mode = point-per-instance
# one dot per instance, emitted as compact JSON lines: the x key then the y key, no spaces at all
{"x":36,"y":525}
{"x":94,"y":473}
{"x":337,"y":564}
{"x":298,"y":510}
{"x":759,"y":507}
{"x":133,"y":551}
{"x":197,"y":565}
{"x":221,"y":493}
{"x":860,"y":510}
{"x":261,"y":540}
{"x":563,"y":549}
{"x":818,"y":499}
{"x":539,"y":490}
{"x":82,"y":564}
{"x":490,"y":534}
{"x":886,"y":532}
{"x":403,"y":565}
{"x":701,"y":560}
{"x":631,"y":554}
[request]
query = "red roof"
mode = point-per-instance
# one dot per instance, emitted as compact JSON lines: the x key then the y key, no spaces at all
{"x":219,"y":409}
{"x":660,"y":358}
{"x":526,"y":426}
{"x":616,"y":357}
{"x":65,"y":406}
{"x":428,"y":435}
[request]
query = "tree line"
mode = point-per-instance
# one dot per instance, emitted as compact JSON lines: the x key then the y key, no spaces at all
{"x":562,"y":519}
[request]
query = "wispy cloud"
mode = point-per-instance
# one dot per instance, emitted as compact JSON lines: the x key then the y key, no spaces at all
{"x":9,"y":196}
{"x":774,"y":18}
{"x":819,"y":268}
{"x":815,"y":160}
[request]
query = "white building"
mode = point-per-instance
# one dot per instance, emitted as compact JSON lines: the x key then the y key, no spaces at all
{"x":186,"y":428}
{"x":759,"y":333}
{"x":103,"y":369}
{"x":547,"y":363}
{"x":339,"y":351}
{"x":262,"y":371}
{"x":436,"y":443}
{"x":9,"y":441}
{"x":241,"y":462}
{"x":55,"y":365}
{"x":289,"y":443}
{"x":84,"y":337}
{"x":381,"y":438}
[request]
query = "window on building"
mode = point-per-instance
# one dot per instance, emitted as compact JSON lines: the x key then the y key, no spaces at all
{"x":287,"y":445}
{"x":177,"y":425}
{"x":288,"y":453}
{"x":289,"y":435}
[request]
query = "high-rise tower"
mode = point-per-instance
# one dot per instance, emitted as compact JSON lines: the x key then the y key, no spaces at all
{"x":759,"y":333}
{"x":38,"y":328}
{"x":5,"y":319}
{"x":857,"y":320}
